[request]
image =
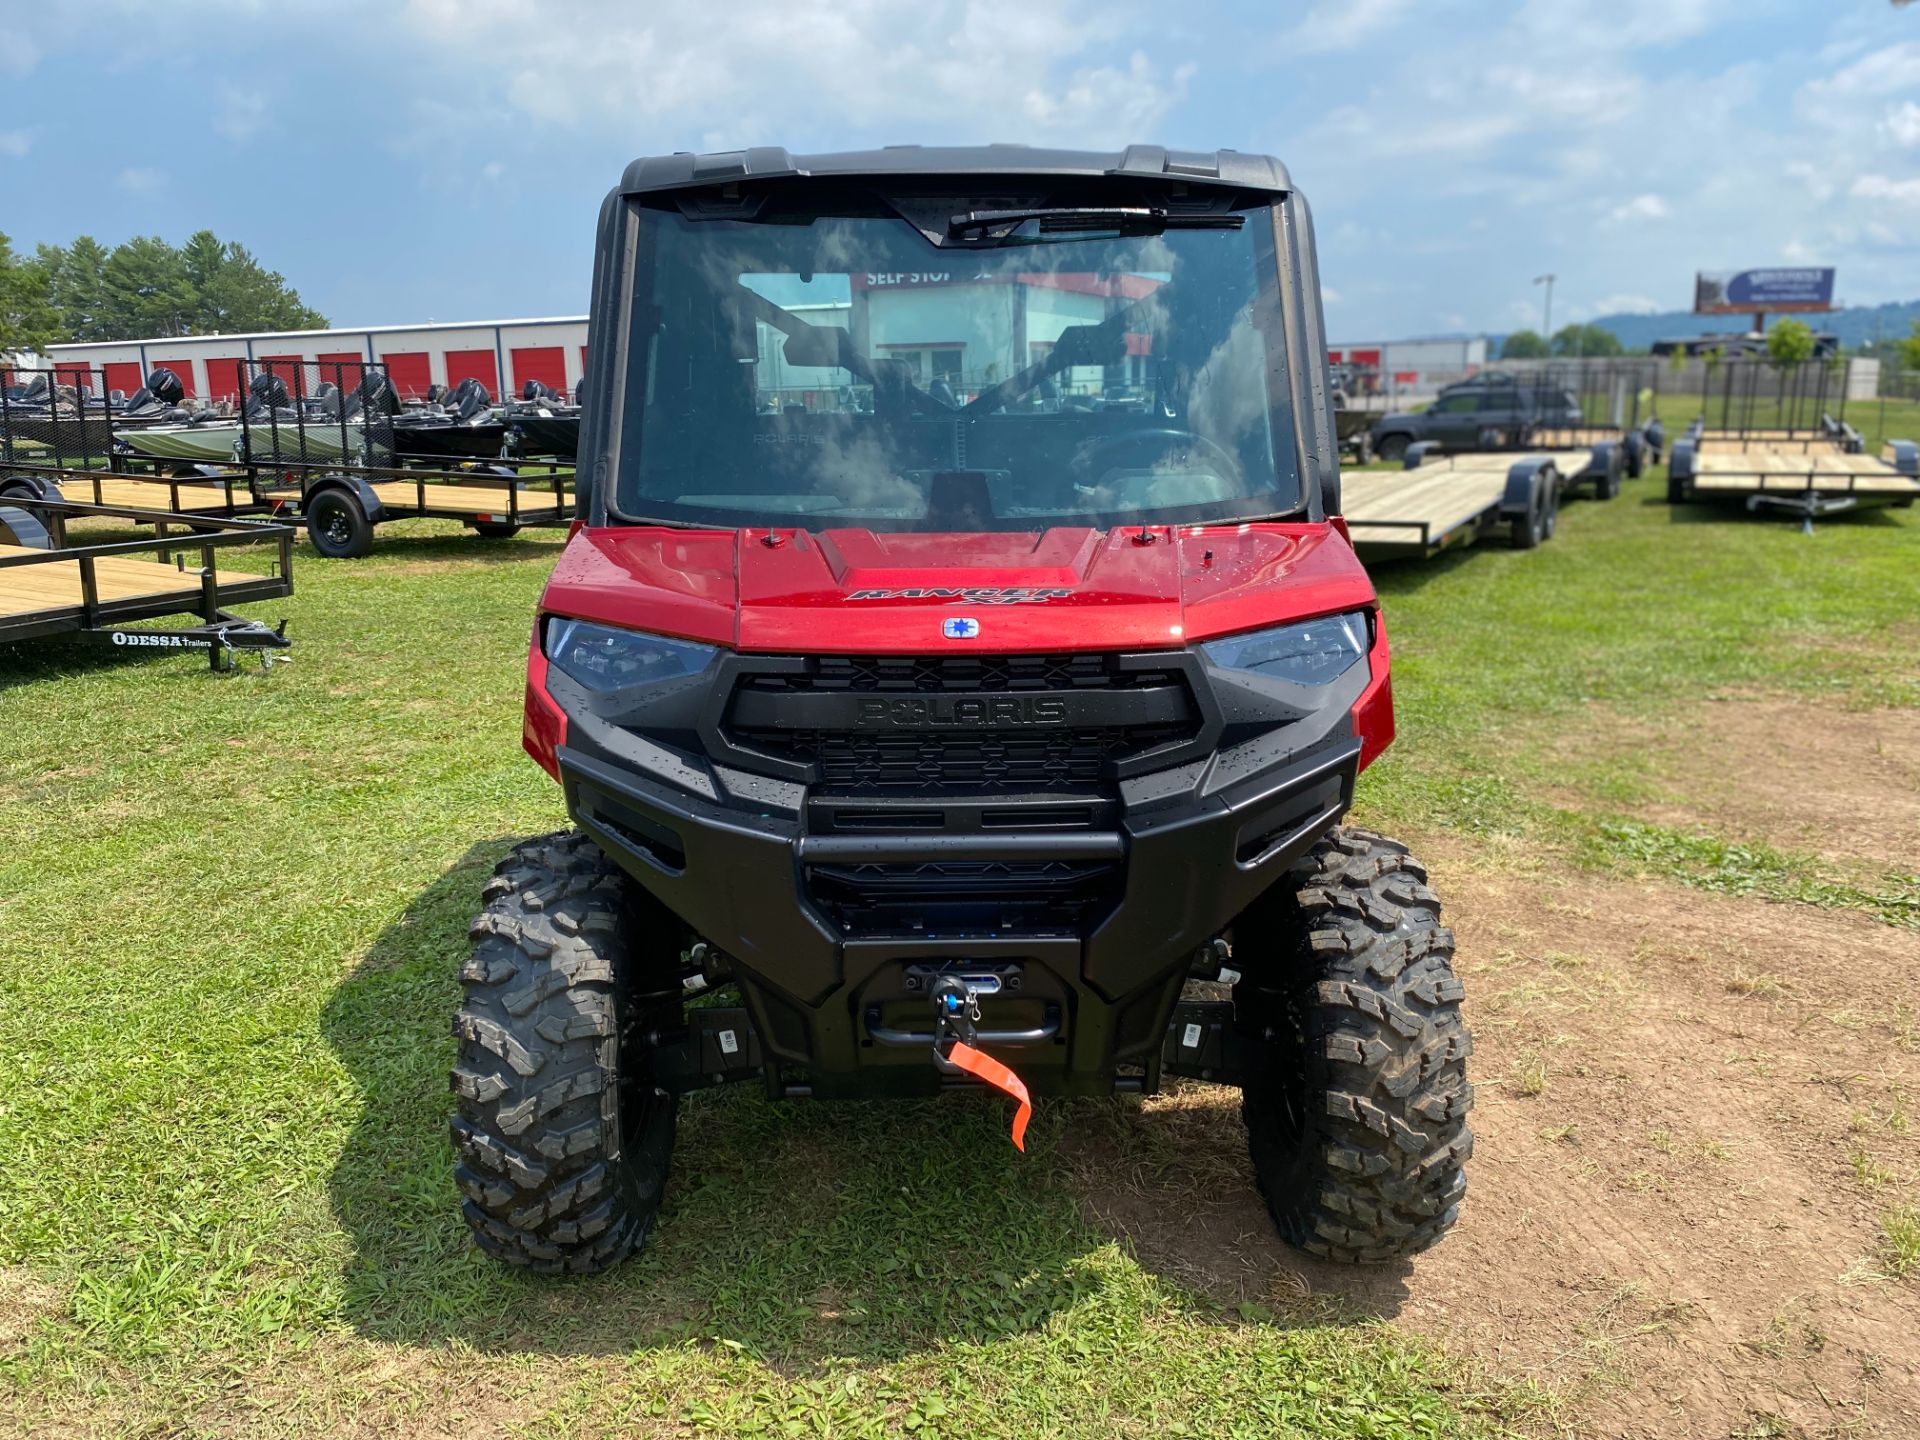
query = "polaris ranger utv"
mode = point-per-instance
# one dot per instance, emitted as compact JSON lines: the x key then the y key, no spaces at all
{"x":958,"y":651}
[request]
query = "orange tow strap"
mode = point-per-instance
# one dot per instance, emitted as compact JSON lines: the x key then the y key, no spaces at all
{"x":984,"y":1067}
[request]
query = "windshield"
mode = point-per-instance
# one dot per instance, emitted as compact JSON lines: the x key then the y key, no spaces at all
{"x":827,"y":370}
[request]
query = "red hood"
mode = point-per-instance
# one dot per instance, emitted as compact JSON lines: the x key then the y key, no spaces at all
{"x":855,"y":591}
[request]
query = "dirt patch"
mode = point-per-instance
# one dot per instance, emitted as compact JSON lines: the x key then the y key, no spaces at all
{"x":1692,"y":1112}
{"x":25,"y":1300}
{"x":1802,"y":777}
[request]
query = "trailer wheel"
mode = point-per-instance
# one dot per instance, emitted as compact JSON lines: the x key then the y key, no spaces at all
{"x":1393,"y":448}
{"x":338,"y":526}
{"x":495,"y":529}
{"x":1676,"y":488}
{"x":562,"y":1135}
{"x":1549,"y":505}
{"x":1530,"y":529}
{"x":1357,"y":1122}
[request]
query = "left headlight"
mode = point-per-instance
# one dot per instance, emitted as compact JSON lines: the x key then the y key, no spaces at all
{"x":603,"y":658}
{"x":1313,"y":652}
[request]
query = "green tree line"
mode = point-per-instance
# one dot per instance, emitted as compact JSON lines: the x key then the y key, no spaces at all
{"x":142,"y":287}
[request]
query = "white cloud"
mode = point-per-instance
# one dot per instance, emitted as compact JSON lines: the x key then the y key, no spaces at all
{"x":1341,"y":25}
{"x":141,"y":180}
{"x":18,"y":53}
{"x":15,"y":142}
{"x":1329,"y":295}
{"x":1620,"y":305}
{"x":1879,"y":187}
{"x":1641,"y":207}
{"x":242,"y":113}
{"x":1797,"y":251}
{"x":1902,"y":126}
{"x":949,"y":69}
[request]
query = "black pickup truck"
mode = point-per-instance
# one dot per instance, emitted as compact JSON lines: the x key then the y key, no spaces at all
{"x":1489,"y":412}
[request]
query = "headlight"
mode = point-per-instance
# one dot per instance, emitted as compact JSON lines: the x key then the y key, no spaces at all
{"x":603,"y":658}
{"x":1315,"y":652}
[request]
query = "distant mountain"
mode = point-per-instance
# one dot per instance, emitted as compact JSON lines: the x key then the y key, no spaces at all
{"x":1854,"y":327}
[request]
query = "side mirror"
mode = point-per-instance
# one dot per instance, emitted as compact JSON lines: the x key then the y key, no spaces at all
{"x":1089,"y":345}
{"x":818,"y":346}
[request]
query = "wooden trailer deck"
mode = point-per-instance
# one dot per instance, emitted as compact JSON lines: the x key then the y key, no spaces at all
{"x":455,"y":499}
{"x":55,"y":585}
{"x":1423,"y":509}
{"x":1758,"y":469}
{"x":195,"y":496}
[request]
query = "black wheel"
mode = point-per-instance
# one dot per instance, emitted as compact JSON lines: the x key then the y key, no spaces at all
{"x":1636,"y":463}
{"x":1528,"y":530}
{"x":563,"y":1137}
{"x":1607,"y":484}
{"x":1357,"y":1126}
{"x":338,"y":526}
{"x":495,"y":529}
{"x":1549,"y":506}
{"x":1676,"y":489}
{"x":1364,"y":451}
{"x":1392,"y":448}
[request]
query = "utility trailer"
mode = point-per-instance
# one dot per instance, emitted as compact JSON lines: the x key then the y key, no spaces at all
{"x":1807,"y":476}
{"x":303,"y":443}
{"x":1439,"y":502}
{"x":1775,"y":437}
{"x":52,"y":584}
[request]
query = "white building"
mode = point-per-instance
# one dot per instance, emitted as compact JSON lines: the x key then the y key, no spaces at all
{"x":1390,"y":367}
{"x":502,"y":354}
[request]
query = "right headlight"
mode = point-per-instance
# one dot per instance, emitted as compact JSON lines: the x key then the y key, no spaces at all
{"x":1311,"y":652}
{"x":603,"y":658}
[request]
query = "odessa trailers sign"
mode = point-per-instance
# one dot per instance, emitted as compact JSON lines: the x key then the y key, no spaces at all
{"x":1729,"y":292}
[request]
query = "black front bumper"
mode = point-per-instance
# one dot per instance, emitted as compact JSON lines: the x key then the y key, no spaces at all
{"x":1090,"y":897}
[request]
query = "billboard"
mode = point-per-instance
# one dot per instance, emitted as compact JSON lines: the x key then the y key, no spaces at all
{"x":1744,"y":292}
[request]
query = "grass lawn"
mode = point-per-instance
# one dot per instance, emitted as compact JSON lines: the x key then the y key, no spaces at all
{"x":232,"y":913}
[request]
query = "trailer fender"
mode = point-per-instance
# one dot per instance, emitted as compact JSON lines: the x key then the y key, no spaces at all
{"x":1418,"y":451}
{"x":505,"y":472}
{"x":353,"y":485}
{"x":1681,"y":466}
{"x":1906,"y":457}
{"x":19,"y":527}
{"x":1527,"y":482}
{"x":29,"y":487}
{"x":1655,"y":435}
{"x":198,"y":472}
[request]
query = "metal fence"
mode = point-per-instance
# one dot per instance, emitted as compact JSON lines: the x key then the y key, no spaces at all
{"x":57,"y":418}
{"x":304,"y":413}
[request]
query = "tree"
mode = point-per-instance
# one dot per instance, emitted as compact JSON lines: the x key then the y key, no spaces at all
{"x":147,"y":287}
{"x":27,"y":321}
{"x":1789,"y":342}
{"x":1586,"y":340}
{"x":1523,"y":345}
{"x":1909,"y":349}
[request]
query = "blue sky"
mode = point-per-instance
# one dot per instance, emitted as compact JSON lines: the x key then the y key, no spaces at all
{"x":404,"y":160}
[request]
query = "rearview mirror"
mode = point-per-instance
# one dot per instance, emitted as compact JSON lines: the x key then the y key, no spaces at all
{"x":1089,"y":345}
{"x":819,"y":346}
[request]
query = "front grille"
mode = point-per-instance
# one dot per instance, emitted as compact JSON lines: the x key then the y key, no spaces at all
{"x":856,"y":762}
{"x":957,"y":674}
{"x":963,"y":897}
{"x":984,"y":760}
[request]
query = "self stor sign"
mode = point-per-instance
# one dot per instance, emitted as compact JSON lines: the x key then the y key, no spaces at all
{"x":1795,"y":288}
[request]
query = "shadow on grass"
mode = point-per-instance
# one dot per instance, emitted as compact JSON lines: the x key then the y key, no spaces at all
{"x":1697,"y":512}
{"x":801,"y":1232}
{"x":394,"y":543}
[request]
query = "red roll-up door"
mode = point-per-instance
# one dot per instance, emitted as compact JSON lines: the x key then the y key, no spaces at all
{"x":224,"y":378}
{"x":182,"y":368}
{"x":477,"y":363}
{"x":545,"y":363}
{"x":410,"y":371}
{"x":352,"y":365}
{"x":74,"y":372}
{"x":124,"y":375}
{"x":290,"y":370}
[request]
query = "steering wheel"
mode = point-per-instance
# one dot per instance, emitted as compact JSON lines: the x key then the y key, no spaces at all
{"x":1163,"y":442}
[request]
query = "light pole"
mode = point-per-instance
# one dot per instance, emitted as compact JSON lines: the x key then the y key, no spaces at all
{"x":1546,"y":316}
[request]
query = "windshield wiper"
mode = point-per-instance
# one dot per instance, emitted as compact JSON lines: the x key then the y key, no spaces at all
{"x":1037,"y":225}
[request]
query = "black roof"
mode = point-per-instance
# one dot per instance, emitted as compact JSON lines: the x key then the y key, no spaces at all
{"x":1227,"y":168}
